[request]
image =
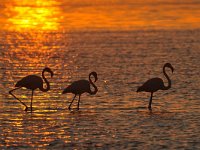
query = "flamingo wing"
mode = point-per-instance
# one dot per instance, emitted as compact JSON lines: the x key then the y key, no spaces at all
{"x":78,"y":87}
{"x":152,"y":85}
{"x":30,"y":82}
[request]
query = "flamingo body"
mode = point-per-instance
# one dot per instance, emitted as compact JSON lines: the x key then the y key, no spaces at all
{"x":31,"y":82}
{"x":152,"y":85}
{"x":155,"y":84}
{"x":81,"y":86}
{"x":78,"y":87}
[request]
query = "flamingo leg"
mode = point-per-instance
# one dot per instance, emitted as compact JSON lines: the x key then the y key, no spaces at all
{"x":79,"y":101}
{"x":150,"y":101}
{"x":10,"y":92}
{"x":31,"y":100}
{"x":71,"y":102}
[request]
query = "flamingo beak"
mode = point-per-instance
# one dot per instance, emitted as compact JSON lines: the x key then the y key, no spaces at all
{"x":96,"y":78}
{"x":52,"y":74}
{"x":172,"y":69}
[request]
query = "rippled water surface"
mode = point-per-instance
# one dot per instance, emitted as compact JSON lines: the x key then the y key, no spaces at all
{"x":125,"y":42}
{"x":116,"y":117}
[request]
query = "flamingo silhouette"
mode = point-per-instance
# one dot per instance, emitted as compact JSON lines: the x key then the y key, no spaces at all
{"x":32,"y":82}
{"x":81,"y":86}
{"x":155,"y":84}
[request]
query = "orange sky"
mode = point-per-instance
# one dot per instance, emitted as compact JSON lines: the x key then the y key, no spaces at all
{"x":99,"y":14}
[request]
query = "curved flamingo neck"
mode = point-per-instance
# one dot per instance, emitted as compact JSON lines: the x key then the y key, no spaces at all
{"x":168,"y":79}
{"x":95,"y":87}
{"x":47,"y":83}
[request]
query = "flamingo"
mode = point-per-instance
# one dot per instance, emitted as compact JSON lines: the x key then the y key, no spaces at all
{"x":32,"y":82}
{"x":81,"y":86}
{"x":155,"y":84}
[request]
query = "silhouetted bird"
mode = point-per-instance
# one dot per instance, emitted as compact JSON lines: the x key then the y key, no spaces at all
{"x":155,"y":84}
{"x":81,"y":86}
{"x":32,"y":82}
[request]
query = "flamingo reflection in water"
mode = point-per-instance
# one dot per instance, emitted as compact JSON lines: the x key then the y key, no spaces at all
{"x":155,"y":84}
{"x":32,"y":82}
{"x":81,"y":86}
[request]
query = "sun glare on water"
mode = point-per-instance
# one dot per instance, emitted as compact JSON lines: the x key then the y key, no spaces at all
{"x":37,"y":15}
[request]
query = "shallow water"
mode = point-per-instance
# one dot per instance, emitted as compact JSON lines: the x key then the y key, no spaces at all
{"x":126,"y":43}
{"x":116,"y":117}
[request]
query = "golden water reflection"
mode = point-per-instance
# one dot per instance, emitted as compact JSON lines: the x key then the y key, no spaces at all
{"x":61,"y":15}
{"x":28,"y":15}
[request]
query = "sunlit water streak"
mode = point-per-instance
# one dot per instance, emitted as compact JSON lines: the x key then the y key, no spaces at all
{"x":61,"y":15}
{"x":117,"y":116}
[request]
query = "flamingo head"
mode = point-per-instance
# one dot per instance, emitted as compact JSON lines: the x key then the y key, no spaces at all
{"x":95,"y":75}
{"x":48,"y":70}
{"x":169,"y":66}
